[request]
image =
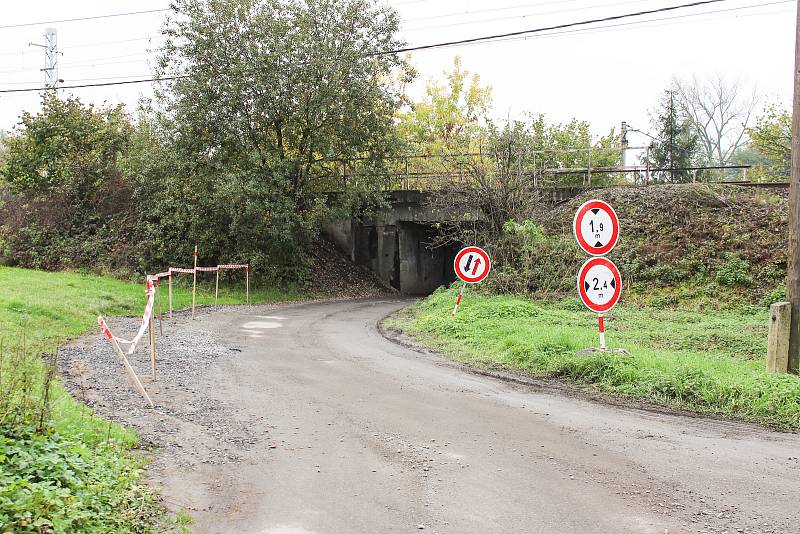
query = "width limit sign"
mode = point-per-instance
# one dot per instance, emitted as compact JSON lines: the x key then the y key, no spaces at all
{"x":596,"y":229}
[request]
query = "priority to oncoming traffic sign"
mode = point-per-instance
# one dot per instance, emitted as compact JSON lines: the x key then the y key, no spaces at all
{"x":472,"y":265}
{"x":599,"y":284}
{"x":596,"y":227}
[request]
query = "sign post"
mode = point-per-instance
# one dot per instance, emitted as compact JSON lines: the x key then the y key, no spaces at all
{"x":596,"y":229}
{"x":599,"y":286}
{"x":472,"y":266}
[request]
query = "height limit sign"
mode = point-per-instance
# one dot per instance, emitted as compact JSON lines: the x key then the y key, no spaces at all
{"x":596,"y":229}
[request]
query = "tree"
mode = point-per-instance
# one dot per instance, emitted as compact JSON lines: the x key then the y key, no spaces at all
{"x":268,"y":93}
{"x":771,"y":136}
{"x":450,"y":119}
{"x":68,"y":202}
{"x":720,"y":112}
{"x":676,"y":141}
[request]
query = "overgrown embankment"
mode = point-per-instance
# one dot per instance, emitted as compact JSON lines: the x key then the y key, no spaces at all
{"x":697,"y":241}
{"x":706,"y":362}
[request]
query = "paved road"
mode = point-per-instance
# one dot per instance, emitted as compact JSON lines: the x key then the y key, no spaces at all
{"x":356,"y":434}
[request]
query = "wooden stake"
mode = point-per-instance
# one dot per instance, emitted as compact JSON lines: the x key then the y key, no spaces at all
{"x":160,"y":317}
{"x":170,"y":296}
{"x":131,"y":372}
{"x":152,"y":347}
{"x":794,"y":216}
{"x":216,"y":291}
{"x":194,"y":282}
{"x":247,"y":284}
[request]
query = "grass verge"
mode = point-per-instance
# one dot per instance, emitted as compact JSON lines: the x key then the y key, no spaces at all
{"x":709,"y":362}
{"x":62,"y":469}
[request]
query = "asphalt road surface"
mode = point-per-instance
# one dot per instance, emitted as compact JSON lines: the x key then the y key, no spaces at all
{"x":344,"y":431}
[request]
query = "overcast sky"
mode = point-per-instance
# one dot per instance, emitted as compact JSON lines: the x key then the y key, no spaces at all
{"x":604,"y":75}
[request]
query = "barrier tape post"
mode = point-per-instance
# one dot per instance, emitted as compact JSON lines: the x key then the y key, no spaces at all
{"x":194,"y":282}
{"x":216,"y":291}
{"x":247,"y":283}
{"x":152,"y":348}
{"x":170,"y":293}
{"x":160,"y":317}
{"x":125,"y":361}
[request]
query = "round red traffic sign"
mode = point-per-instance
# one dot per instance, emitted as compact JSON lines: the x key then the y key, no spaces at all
{"x":472,"y":264}
{"x":596,"y":227}
{"x":599,"y":284}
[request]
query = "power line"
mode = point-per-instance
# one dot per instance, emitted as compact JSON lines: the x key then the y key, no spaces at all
{"x":491,"y":10}
{"x":520,"y":16}
{"x":647,"y":23}
{"x":486,"y":38}
{"x":76,"y":19}
{"x":475,"y":40}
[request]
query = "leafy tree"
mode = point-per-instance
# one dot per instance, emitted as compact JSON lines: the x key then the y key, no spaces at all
{"x":771,"y":136}
{"x":267,"y":93}
{"x":67,"y":202}
{"x":67,"y":148}
{"x":451,"y":117}
{"x":676,"y":146}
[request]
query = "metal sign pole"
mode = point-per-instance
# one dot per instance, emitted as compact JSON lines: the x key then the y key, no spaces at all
{"x":460,"y":296}
{"x":602,"y":326}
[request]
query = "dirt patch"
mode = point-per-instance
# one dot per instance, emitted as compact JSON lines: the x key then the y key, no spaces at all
{"x":335,"y":275}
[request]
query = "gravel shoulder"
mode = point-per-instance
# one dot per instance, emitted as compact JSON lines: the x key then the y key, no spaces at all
{"x":302,"y":418}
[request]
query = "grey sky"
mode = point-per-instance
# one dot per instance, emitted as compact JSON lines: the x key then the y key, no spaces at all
{"x":603,"y":75}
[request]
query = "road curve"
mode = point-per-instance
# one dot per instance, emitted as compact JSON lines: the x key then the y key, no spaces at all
{"x":359,"y":434}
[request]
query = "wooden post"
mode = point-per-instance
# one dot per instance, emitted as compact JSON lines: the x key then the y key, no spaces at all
{"x":160,"y":317}
{"x":778,"y":344}
{"x":194,"y":281}
{"x":794,"y":216}
{"x":247,"y":283}
{"x":216,"y":291}
{"x":152,"y":347}
{"x":170,"y":295}
{"x":130,"y":370}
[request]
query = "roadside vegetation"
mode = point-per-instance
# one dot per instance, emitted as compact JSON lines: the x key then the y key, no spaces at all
{"x":62,"y":469}
{"x":700,"y":359}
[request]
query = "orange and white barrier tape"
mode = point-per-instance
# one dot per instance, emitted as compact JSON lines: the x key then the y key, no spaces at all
{"x":148,"y":310}
{"x":152,"y":283}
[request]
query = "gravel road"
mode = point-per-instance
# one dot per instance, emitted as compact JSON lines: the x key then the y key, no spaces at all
{"x":304,"y":418}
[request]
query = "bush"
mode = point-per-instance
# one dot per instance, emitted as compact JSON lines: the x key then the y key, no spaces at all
{"x":734,"y":272}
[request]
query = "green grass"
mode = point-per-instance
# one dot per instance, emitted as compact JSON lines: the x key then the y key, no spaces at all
{"x":75,"y":473}
{"x":709,"y":361}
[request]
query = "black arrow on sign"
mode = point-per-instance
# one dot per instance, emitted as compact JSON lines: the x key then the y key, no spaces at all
{"x":598,"y":245}
{"x":586,"y":285}
{"x":596,"y":211}
{"x":614,"y":284}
